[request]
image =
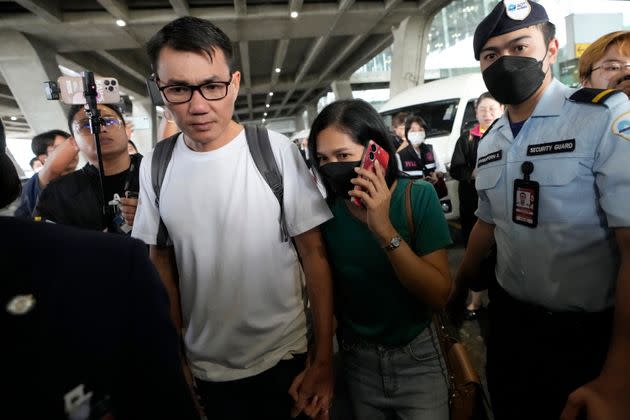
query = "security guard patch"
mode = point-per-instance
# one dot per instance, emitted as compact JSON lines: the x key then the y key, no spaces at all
{"x":563,"y":146}
{"x":492,"y":157}
{"x":621,"y":126}
{"x":517,"y":9}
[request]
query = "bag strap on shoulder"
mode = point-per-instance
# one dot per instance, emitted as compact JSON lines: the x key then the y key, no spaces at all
{"x":260,"y":149}
{"x":162,"y":154}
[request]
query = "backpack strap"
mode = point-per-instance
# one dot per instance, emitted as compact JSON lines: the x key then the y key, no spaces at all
{"x":162,"y":154}
{"x":260,"y":149}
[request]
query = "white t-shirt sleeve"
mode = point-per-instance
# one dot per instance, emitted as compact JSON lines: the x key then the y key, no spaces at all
{"x":439,"y":166}
{"x":304,"y":205}
{"x":147,"y":220}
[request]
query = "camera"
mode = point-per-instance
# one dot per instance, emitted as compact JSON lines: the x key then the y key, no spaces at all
{"x":71,"y":90}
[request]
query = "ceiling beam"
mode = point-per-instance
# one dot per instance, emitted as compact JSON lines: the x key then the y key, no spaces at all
{"x":48,"y":10}
{"x":126,"y":67}
{"x":375,"y":49}
{"x":10,"y":103}
{"x":5,"y":92}
{"x":317,"y":47}
{"x":278,"y":59}
{"x":338,"y":58}
{"x":181,"y":7}
{"x":116,"y":8}
{"x":354,"y":43}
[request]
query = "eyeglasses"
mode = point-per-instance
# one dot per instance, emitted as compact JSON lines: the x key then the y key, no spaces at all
{"x":179,"y":94}
{"x":611,"y":67}
{"x":84,"y":125}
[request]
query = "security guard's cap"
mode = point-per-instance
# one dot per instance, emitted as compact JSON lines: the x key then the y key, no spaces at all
{"x":508,"y":16}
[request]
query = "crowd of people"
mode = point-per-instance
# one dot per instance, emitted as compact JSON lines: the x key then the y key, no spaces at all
{"x":183,"y":298}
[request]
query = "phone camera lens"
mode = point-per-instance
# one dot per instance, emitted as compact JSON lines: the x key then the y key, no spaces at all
{"x":373,"y":148}
{"x":371,"y":156}
{"x":111,"y":88}
{"x":106,"y":82}
{"x":113,"y":83}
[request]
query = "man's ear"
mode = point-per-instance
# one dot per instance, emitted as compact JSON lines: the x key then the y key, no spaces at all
{"x":553,"y":49}
{"x":236,"y":81}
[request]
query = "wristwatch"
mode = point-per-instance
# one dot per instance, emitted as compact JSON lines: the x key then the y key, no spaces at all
{"x":393,"y":243}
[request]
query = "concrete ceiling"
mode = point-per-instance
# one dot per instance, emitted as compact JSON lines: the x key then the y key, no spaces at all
{"x":328,"y":41}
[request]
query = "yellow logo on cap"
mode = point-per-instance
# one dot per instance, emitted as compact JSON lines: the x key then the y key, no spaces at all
{"x":517,"y":9}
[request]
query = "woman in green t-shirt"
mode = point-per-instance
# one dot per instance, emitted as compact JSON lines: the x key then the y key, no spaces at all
{"x":385,"y":287}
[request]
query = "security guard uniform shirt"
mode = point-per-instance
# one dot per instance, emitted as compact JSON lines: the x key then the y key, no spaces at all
{"x":581,"y":153}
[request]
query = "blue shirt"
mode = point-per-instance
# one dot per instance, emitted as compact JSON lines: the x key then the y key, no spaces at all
{"x":581,"y":155}
{"x":28,"y":200}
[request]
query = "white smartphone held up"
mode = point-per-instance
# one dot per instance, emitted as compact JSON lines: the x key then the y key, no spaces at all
{"x":71,"y":89}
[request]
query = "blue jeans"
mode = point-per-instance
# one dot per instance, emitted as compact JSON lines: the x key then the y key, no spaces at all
{"x":406,"y":383}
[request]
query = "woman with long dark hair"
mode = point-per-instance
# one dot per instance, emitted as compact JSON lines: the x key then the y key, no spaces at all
{"x":386,"y":287}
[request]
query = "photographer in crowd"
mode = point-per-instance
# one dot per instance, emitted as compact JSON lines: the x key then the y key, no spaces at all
{"x":58,"y":153}
{"x":76,"y":199}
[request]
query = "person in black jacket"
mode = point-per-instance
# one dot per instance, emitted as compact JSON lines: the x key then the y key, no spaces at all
{"x":463,"y":164}
{"x":86,"y":331}
{"x":76,"y":199}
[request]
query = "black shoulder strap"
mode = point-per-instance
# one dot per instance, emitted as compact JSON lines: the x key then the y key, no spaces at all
{"x":260,"y":149}
{"x":488,"y":129}
{"x":162,"y":154}
{"x":593,"y":96}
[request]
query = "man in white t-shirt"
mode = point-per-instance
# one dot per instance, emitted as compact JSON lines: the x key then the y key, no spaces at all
{"x":236,"y":289}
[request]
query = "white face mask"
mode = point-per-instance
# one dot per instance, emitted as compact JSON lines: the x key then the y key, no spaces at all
{"x":416,"y":138}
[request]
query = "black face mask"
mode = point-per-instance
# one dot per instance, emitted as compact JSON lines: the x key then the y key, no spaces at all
{"x":338,"y":176}
{"x":512,"y":80}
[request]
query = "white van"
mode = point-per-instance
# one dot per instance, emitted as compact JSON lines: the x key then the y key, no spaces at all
{"x":447,"y":105}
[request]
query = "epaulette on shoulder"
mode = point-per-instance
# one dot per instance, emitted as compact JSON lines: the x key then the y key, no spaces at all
{"x":593,"y":96}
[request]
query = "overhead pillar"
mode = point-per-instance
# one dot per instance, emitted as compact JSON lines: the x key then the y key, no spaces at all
{"x":409,"y":53}
{"x":342,"y":89}
{"x":311,"y":113}
{"x":25,"y":64}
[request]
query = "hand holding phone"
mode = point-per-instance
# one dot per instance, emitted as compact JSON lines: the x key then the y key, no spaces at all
{"x":373,"y":152}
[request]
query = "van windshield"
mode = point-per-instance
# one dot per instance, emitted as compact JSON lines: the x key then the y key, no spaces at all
{"x":439,"y":115}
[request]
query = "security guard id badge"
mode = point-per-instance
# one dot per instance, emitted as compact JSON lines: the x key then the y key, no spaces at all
{"x":525,"y":200}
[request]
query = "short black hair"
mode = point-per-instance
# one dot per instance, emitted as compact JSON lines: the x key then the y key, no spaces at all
{"x":359,"y":120}
{"x":35,"y":159}
{"x":133,"y":145}
{"x":10,"y":185}
{"x":190,"y":34}
{"x":41,"y":142}
{"x":415,"y":119}
{"x":548,"y":30}
{"x":74,"y":109}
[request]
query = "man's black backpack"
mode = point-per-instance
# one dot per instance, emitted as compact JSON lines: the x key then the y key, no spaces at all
{"x":259,"y":148}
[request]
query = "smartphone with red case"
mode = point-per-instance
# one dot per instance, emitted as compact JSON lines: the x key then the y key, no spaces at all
{"x":373,"y":152}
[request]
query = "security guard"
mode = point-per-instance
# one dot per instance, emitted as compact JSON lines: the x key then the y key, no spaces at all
{"x":565,"y":248}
